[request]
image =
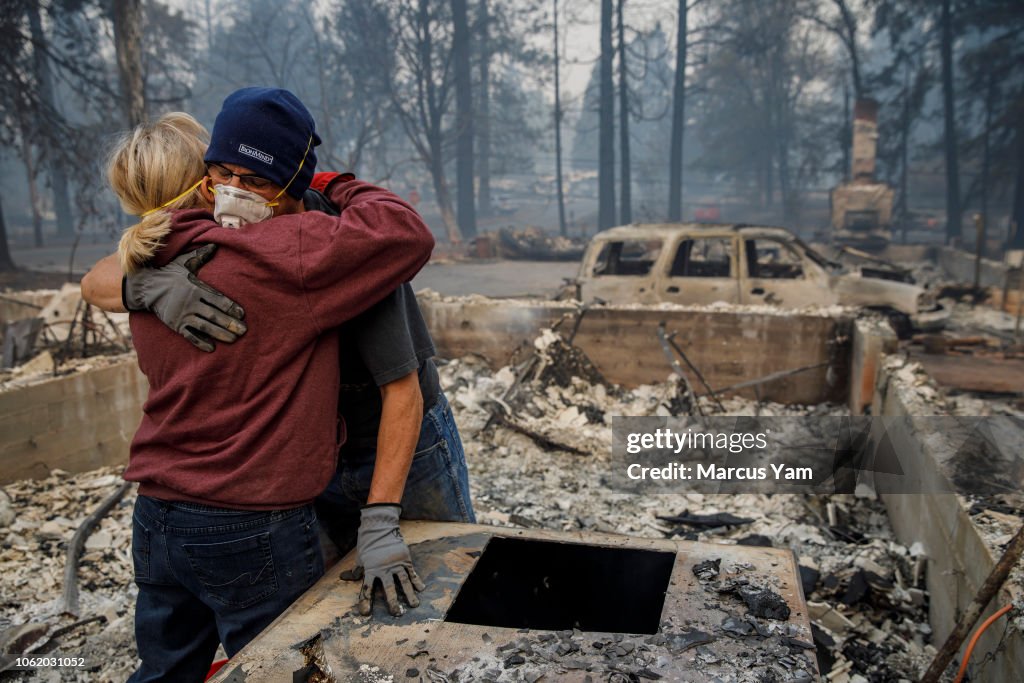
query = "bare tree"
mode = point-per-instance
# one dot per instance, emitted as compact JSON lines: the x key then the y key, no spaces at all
{"x":953,"y":208}
{"x":463,"y":120}
{"x":30,"y":158}
{"x":358,"y":62}
{"x":421,"y":93}
{"x":675,"y":182}
{"x":6,"y":262}
{"x":127,"y":18}
{"x":58,"y":176}
{"x":625,"y":178}
{"x":502,"y":34}
{"x":606,"y":143}
{"x":762,"y":117}
{"x":558,"y":131}
{"x":991,"y":87}
{"x":483,"y":117}
{"x":29,"y":122}
{"x":844,"y":27}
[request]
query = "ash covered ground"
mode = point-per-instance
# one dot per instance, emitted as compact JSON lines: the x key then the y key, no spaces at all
{"x":538,"y":437}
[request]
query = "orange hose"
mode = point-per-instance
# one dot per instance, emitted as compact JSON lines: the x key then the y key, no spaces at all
{"x":974,"y":641}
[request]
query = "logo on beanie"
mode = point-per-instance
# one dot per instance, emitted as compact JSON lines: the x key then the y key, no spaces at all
{"x":256,"y":154}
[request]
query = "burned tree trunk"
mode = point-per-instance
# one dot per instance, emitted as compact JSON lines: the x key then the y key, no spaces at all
{"x":847,"y":132}
{"x":847,"y":31}
{"x":483,"y":118}
{"x":625,"y":179}
{"x":442,"y":194}
{"x":953,"y":210}
{"x":558,"y":136}
{"x":606,"y":142}
{"x":58,"y":177}
{"x":422,"y":115}
{"x":28,"y":157}
{"x":903,"y":203}
{"x":675,"y":164}
{"x":986,"y":161}
{"x":1017,"y":235}
{"x":127,"y":19}
{"x":6,"y":262}
{"x":463,"y":121}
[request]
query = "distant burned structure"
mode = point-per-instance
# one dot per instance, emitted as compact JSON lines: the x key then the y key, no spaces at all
{"x":862,"y":206}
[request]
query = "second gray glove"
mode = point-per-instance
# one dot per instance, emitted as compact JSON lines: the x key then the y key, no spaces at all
{"x":185,"y":303}
{"x":382,"y":555}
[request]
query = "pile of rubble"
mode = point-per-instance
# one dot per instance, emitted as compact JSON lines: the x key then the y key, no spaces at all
{"x":539,"y":446}
{"x":63,"y":335}
{"x":537,"y":435}
{"x":37,"y":521}
{"x":534,"y":244}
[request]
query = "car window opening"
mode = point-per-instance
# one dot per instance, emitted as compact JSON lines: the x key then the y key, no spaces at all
{"x":707,"y":257}
{"x":773,"y":260}
{"x":627,"y":257}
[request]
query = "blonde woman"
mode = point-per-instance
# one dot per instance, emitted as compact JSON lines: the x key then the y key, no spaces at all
{"x":235,"y":444}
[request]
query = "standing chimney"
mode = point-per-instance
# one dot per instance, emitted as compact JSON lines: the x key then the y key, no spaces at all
{"x":865,"y":138}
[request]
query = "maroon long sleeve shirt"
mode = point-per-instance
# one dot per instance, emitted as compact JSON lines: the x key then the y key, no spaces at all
{"x":254,"y":424}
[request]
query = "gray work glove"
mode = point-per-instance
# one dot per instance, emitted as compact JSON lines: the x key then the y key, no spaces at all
{"x":183,"y":302}
{"x":381,"y":554}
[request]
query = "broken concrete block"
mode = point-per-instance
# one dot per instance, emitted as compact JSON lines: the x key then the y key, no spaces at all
{"x":60,"y":312}
{"x":872,"y":339}
{"x":52,"y":529}
{"x":99,"y":540}
{"x":41,"y":363}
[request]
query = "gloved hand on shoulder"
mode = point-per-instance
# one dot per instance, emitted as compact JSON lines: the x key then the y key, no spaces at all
{"x":185,"y":303}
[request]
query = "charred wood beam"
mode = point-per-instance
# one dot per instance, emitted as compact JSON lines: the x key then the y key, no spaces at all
{"x":996,"y":579}
{"x":678,"y":369}
{"x":782,"y":374}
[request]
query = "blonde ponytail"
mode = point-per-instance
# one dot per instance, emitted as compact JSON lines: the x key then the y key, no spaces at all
{"x":140,"y":242}
{"x":154,"y":166}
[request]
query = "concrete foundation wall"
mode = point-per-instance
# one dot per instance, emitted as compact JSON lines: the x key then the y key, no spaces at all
{"x":902,"y":253}
{"x":727,"y":346}
{"x":958,"y":558}
{"x":959,"y":265}
{"x":75,"y":423}
{"x":86,"y":420}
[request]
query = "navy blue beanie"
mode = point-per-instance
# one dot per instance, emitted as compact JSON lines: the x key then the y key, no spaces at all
{"x":269,"y":131}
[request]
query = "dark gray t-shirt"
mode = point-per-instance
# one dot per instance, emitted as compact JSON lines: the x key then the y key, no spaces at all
{"x":383,"y":344}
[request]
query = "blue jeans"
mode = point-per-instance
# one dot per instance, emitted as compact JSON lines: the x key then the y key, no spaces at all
{"x":208,"y":575}
{"x":437,"y":487}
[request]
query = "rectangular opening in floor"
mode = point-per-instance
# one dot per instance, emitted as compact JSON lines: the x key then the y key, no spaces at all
{"x":521,"y":583}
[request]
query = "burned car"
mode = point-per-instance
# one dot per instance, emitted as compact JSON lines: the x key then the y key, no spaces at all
{"x":690,"y":263}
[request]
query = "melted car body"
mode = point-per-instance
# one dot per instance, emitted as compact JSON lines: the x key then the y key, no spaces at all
{"x":690,"y":263}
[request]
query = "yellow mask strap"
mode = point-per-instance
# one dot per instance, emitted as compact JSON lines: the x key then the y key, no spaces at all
{"x":274,"y":202}
{"x":171,"y":201}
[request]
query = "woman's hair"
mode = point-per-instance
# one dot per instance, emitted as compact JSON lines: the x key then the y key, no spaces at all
{"x":151,"y":169}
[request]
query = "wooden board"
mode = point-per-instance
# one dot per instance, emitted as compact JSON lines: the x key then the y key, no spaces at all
{"x":385,"y":648}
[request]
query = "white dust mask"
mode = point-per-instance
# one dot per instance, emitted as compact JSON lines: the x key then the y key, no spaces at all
{"x":234,"y":207}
